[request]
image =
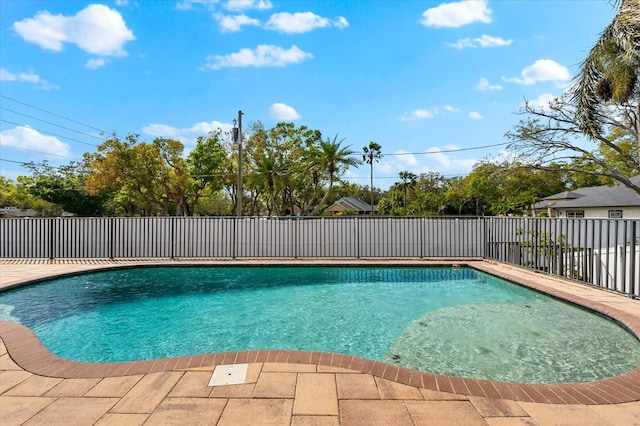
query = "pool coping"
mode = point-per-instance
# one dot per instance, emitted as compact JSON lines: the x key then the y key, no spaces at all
{"x":29,"y":353}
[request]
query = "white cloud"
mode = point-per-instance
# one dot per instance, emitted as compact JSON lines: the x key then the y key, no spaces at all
{"x":421,"y":114}
{"x":248,"y":4}
{"x":280,"y":111}
{"x":6,"y":75}
{"x":96,"y":29}
{"x":230,"y":24}
{"x":445,"y":163}
{"x":30,"y":139}
{"x":404,"y":159}
{"x":302,"y":22}
{"x":432,"y":160}
{"x":543,"y":101}
{"x":417,"y":114}
{"x":457,"y":14}
{"x":483,"y":41}
{"x":542,"y":70}
{"x":95,"y":63}
{"x":262,"y":56}
{"x":188,"y":4}
{"x":484,"y":84}
{"x":185,"y":135}
{"x":475,"y":115}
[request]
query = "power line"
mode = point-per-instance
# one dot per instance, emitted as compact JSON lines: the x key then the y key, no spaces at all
{"x":33,"y":150}
{"x":53,"y":124}
{"x":49,"y":133}
{"x":449,"y":150}
{"x":53,"y":113}
{"x":27,"y":163}
{"x":394,"y":177}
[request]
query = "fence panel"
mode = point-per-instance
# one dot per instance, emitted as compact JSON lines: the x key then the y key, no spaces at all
{"x":601,"y":252}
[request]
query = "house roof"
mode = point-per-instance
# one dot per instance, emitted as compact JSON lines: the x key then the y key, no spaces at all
{"x":617,"y":195}
{"x":349,"y":203}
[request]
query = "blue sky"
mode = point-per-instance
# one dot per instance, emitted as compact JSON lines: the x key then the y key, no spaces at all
{"x":429,"y":78}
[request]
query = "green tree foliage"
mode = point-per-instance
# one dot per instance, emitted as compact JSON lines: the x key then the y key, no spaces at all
{"x":17,"y":195}
{"x":334,"y":160}
{"x":609,"y":73}
{"x":550,"y":138}
{"x":140,"y":178}
{"x":206,"y":164}
{"x":424,"y":195}
{"x":409,"y":181}
{"x":509,"y":188}
{"x":64,"y":187}
{"x":283,"y":169}
{"x":602,"y":108}
{"x":372,"y":153}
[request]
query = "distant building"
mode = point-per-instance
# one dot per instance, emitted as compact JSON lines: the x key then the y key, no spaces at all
{"x":14,"y":212}
{"x":348,"y":205}
{"x":598,"y":202}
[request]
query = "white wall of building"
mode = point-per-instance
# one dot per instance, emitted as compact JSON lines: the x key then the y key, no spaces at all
{"x":602,"y":212}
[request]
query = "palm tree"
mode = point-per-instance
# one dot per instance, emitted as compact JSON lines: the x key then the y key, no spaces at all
{"x":610,"y":71}
{"x":334,"y":160}
{"x":408,"y":180}
{"x":371,"y":153}
{"x":265,"y":173}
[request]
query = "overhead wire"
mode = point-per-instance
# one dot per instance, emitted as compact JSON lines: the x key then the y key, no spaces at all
{"x":53,"y":124}
{"x":48,"y":133}
{"x":54,"y":114}
{"x":104,"y":132}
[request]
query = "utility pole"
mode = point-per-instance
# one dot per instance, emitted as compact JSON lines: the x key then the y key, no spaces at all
{"x":238,"y":139}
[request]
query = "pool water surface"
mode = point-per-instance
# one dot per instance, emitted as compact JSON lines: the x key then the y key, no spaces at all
{"x":444,"y":320}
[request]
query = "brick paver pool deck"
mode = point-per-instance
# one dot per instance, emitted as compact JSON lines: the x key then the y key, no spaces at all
{"x":290,"y":387}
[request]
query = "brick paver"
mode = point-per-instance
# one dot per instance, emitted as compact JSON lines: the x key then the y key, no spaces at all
{"x":316,"y":394}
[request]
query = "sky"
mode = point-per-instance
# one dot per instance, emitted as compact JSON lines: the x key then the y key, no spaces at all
{"x":436,"y":84}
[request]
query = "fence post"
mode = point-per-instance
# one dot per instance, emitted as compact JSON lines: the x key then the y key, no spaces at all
{"x":295,"y":222}
{"x":632,"y":267}
{"x":172,"y":238}
{"x":235,"y":237}
{"x":51,"y":238}
{"x":357,"y":237}
{"x":111,"y":236}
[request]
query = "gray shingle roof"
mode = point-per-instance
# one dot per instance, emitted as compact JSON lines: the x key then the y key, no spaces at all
{"x":616,"y":195}
{"x":349,"y":203}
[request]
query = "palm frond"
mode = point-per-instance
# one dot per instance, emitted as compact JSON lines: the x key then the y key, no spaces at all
{"x":610,"y":71}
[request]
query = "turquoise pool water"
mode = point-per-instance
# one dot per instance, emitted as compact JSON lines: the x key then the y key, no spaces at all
{"x":454,"y":321}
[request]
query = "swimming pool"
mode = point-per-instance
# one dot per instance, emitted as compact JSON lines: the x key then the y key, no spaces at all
{"x":454,"y":321}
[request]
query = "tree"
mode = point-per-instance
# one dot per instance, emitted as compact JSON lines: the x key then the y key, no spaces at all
{"x":609,"y":74}
{"x":372,"y":153}
{"x":206,"y":167}
{"x":409,"y":180}
{"x":551,"y":138}
{"x":457,"y":196}
{"x":139,"y":178}
{"x":17,"y":195}
{"x":265,"y":175}
{"x":334,"y":160}
{"x":284,"y":168}
{"x":64,"y":186}
{"x":602,"y":104}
